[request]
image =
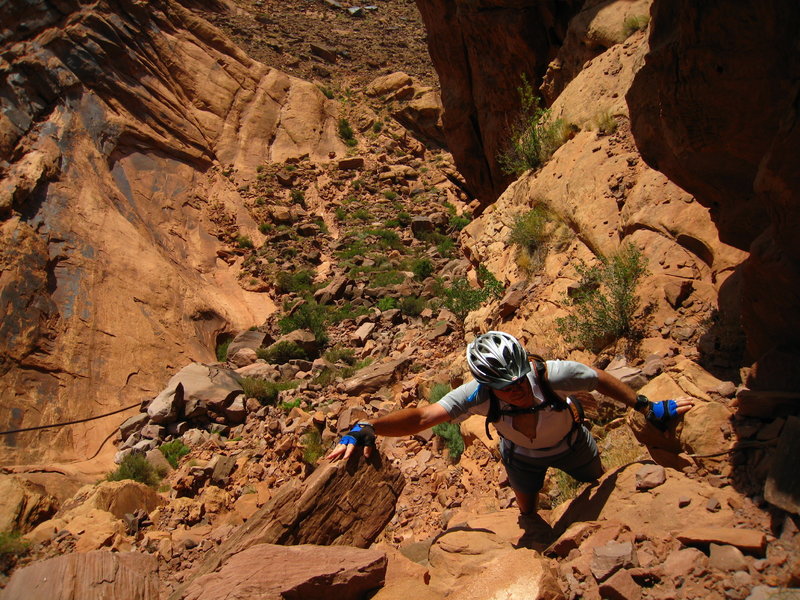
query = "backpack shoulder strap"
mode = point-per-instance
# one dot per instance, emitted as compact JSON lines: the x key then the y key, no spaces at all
{"x":550,"y":397}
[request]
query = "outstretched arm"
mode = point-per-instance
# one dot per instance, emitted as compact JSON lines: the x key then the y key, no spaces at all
{"x":406,"y":421}
{"x":612,"y":387}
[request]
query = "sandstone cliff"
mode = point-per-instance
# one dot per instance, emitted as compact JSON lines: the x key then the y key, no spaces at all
{"x":121,"y":124}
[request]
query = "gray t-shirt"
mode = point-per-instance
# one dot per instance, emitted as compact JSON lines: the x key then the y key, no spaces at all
{"x":565,"y":376}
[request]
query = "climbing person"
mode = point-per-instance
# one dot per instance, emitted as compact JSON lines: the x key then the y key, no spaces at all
{"x":527,"y":399}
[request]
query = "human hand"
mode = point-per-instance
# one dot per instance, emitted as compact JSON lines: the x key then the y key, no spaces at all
{"x":361,"y":434}
{"x":659,"y":414}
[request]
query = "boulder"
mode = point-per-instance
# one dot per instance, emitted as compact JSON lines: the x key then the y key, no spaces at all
{"x":305,"y":571}
{"x":25,"y":504}
{"x":252,"y":339}
{"x":782,"y":487}
{"x":333,"y":291}
{"x":115,"y":497}
{"x":96,"y":575}
{"x":303,"y":338}
{"x":388,"y":83}
{"x":749,"y":540}
{"x":342,"y":503}
{"x":133,"y":424}
{"x":192,"y":390}
{"x":376,"y":376}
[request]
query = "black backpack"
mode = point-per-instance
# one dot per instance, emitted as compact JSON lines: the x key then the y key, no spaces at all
{"x":551,"y":399}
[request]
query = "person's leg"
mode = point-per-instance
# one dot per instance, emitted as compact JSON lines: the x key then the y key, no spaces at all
{"x":582,"y":462}
{"x":526,"y":480}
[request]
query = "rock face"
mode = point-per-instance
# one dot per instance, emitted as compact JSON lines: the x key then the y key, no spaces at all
{"x":113,"y":194}
{"x":276,"y":572}
{"x":733,"y":156}
{"x":340,"y":504}
{"x":25,"y":504}
{"x":90,"y":576}
{"x":480,"y":51}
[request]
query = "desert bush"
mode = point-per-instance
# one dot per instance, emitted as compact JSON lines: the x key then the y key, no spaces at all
{"x":490,"y":283}
{"x":384,"y":278}
{"x":266,"y":392}
{"x":135,"y":466}
{"x":281,"y":353}
{"x":362,"y":214}
{"x":309,"y":315}
{"x":313,"y":448}
{"x":244,"y":242}
{"x":174,"y":451}
{"x":633,"y":23}
{"x":346,"y":132}
{"x":534,"y":233}
{"x":299,"y":282}
{"x":604,"y":306}
{"x":222,"y":349}
{"x":533,"y":136}
{"x":389,"y":194}
{"x":387,"y":303}
{"x":438,"y":391}
{"x":339,"y":354}
{"x":412,"y":306}
{"x":422,"y":268}
{"x":457,"y":223}
{"x":451,"y":434}
{"x":605,"y":122}
{"x":566,"y":485}
{"x":298,"y":197}
{"x":461,"y":298}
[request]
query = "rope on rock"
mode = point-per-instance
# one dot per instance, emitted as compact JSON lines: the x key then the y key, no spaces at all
{"x":69,"y":422}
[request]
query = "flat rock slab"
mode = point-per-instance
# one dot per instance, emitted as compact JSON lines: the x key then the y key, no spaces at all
{"x":96,"y":575}
{"x":748,"y":540}
{"x":341,"y":504}
{"x":271,"y":572}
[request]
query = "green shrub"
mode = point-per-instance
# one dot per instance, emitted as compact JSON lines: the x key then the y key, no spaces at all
{"x":605,"y":304}
{"x":346,"y":132}
{"x":387,"y":303}
{"x":244,"y":242}
{"x":298,"y":197}
{"x":362,"y":213}
{"x":389,"y":194}
{"x":438,"y":391}
{"x":265,"y":228}
{"x":174,"y":451}
{"x":386,"y":238}
{"x":11,"y":545}
{"x":632,"y":24}
{"x":445,"y":246}
{"x":326,"y":91}
{"x":222,"y":350}
{"x":339,"y":354}
{"x":281,"y":353}
{"x":340,"y":213}
{"x":533,"y":136}
{"x":135,"y":466}
{"x":309,"y":315}
{"x":412,"y":306}
{"x":490,"y":283}
{"x":422,"y":268}
{"x":606,"y":123}
{"x":567,"y":486}
{"x":377,"y":126}
{"x":313,"y":449}
{"x":532,"y":233}
{"x":461,"y":298}
{"x":288,"y":406}
{"x":458,"y":223}
{"x":264,"y":391}
{"x":299,"y":282}
{"x":451,"y":434}
{"x":384,"y":278}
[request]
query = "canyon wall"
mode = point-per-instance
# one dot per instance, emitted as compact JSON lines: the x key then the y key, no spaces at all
{"x":121,"y":122}
{"x":715,"y":108}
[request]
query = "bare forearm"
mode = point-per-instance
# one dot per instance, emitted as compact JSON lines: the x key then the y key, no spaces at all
{"x":610,"y":386}
{"x":409,"y":421}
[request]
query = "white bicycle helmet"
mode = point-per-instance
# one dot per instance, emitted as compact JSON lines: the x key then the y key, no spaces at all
{"x":497,"y":359}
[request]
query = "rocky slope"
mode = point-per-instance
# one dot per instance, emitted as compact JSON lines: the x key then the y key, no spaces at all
{"x":345,"y":242}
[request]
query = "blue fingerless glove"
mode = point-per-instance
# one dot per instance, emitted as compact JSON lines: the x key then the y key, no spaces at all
{"x":661,"y":413}
{"x":361,"y":434}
